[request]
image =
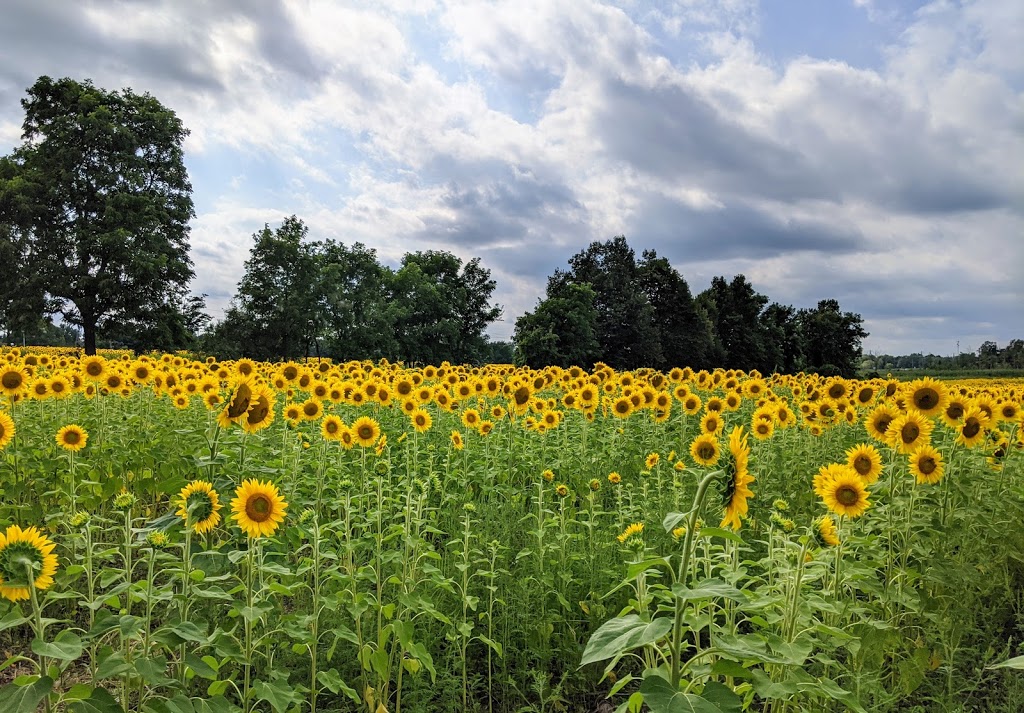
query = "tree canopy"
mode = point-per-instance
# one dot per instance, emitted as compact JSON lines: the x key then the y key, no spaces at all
{"x":610,"y":307}
{"x":96,"y":204}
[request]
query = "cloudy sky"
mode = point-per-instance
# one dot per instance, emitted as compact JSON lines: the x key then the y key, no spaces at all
{"x":870,"y":151}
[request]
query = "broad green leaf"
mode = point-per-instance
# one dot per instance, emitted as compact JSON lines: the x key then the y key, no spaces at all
{"x":24,"y":699}
{"x":662,"y":697}
{"x":278,"y":694}
{"x":99,"y":702}
{"x":708,"y":589}
{"x":65,"y":647}
{"x":623,"y":634}
{"x":719,"y":532}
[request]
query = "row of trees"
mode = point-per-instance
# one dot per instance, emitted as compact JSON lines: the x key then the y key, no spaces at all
{"x":609,"y":306}
{"x":987,"y":356}
{"x":301,"y":297}
{"x":94,"y":222}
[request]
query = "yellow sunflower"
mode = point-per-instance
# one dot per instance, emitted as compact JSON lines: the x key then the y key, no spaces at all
{"x":457,"y":442}
{"x":705,"y":450}
{"x":825,"y":531}
{"x":365,"y":431}
{"x":622,"y":407}
{"x":927,"y":396}
{"x":712,"y":422}
{"x":6,"y":429}
{"x":261,"y":410}
{"x":312,"y":409}
{"x":736,"y":492}
{"x":909,"y":430}
{"x":866,"y":460}
{"x":331,"y":427}
{"x":26,"y":560}
{"x":971,"y":429}
{"x":94,"y":367}
{"x":199,"y":506}
{"x":12,"y":380}
{"x":72,"y":437}
{"x":258,"y":508}
{"x":421,"y":420}
{"x":878,"y":421}
{"x":926,"y":465}
{"x":652,"y":460}
{"x":846,"y":494}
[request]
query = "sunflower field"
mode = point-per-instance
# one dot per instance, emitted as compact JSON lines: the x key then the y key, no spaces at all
{"x":185,"y":536}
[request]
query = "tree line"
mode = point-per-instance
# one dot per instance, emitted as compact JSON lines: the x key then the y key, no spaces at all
{"x":94,"y":223}
{"x":608,"y":306}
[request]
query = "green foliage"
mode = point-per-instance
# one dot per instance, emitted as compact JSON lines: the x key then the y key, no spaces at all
{"x":99,"y":201}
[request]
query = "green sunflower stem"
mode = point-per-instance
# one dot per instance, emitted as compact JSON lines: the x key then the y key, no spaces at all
{"x":684,"y":568}
{"x":37,"y":625}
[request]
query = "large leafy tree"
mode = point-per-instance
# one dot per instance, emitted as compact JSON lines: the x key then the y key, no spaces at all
{"x":734,"y":309}
{"x":561,"y":331}
{"x":684,"y":334}
{"x":100,"y":191}
{"x":831,"y":338}
{"x":277,"y":310}
{"x":441,"y":308}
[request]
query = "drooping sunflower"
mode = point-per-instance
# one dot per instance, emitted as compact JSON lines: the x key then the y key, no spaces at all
{"x":738,"y":478}
{"x":261,"y":410}
{"x":26,"y":560}
{"x":705,"y":450}
{"x":457,"y":442}
{"x":926,"y":465}
{"x":909,"y":430}
{"x":846,"y":494}
{"x":258,"y":508}
{"x":866,"y":461}
{"x":421,"y":420}
{"x":971,"y":429}
{"x":72,"y":437}
{"x":927,"y":396}
{"x":6,"y":429}
{"x":331,"y":427}
{"x":825,"y":531}
{"x":365,"y":431}
{"x":199,"y":506}
{"x":241,"y":399}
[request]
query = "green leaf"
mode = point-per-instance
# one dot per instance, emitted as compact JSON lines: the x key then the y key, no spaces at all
{"x":24,"y":699}
{"x":200,"y":666}
{"x":13,"y":618}
{"x":65,"y":647}
{"x":1016,"y":662}
{"x":662,"y":697}
{"x":719,"y":532}
{"x":708,"y":589}
{"x":723,"y":697}
{"x":637,"y":567}
{"x":279,"y":695}
{"x":623,"y":634}
{"x":189,"y":632}
{"x":332,"y":681}
{"x":100,"y":701}
{"x":672,"y":520}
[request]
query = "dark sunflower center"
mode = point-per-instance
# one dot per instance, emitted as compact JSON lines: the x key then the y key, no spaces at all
{"x":521,"y":395}
{"x":199,"y":507}
{"x":366,"y":432}
{"x":1009,"y":411}
{"x":41,"y":387}
{"x":332,"y":427}
{"x":910,"y":432}
{"x":971,"y":428}
{"x":706,"y":451}
{"x":12,"y":380}
{"x":847,"y":495}
{"x":13,"y":560}
{"x":865,"y":395}
{"x":258,"y":508}
{"x":927,"y":465}
{"x":259,"y":412}
{"x":862,"y":464}
{"x":240,"y":401}
{"x":762,"y":428}
{"x":955,"y":410}
{"x":72,"y":438}
{"x":310,"y":409}
{"x":836,"y":391}
{"x":926,"y":398}
{"x":882,"y":424}
{"x":94,"y":369}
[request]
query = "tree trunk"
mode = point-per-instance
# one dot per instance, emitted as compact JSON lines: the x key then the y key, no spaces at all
{"x":89,"y":336}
